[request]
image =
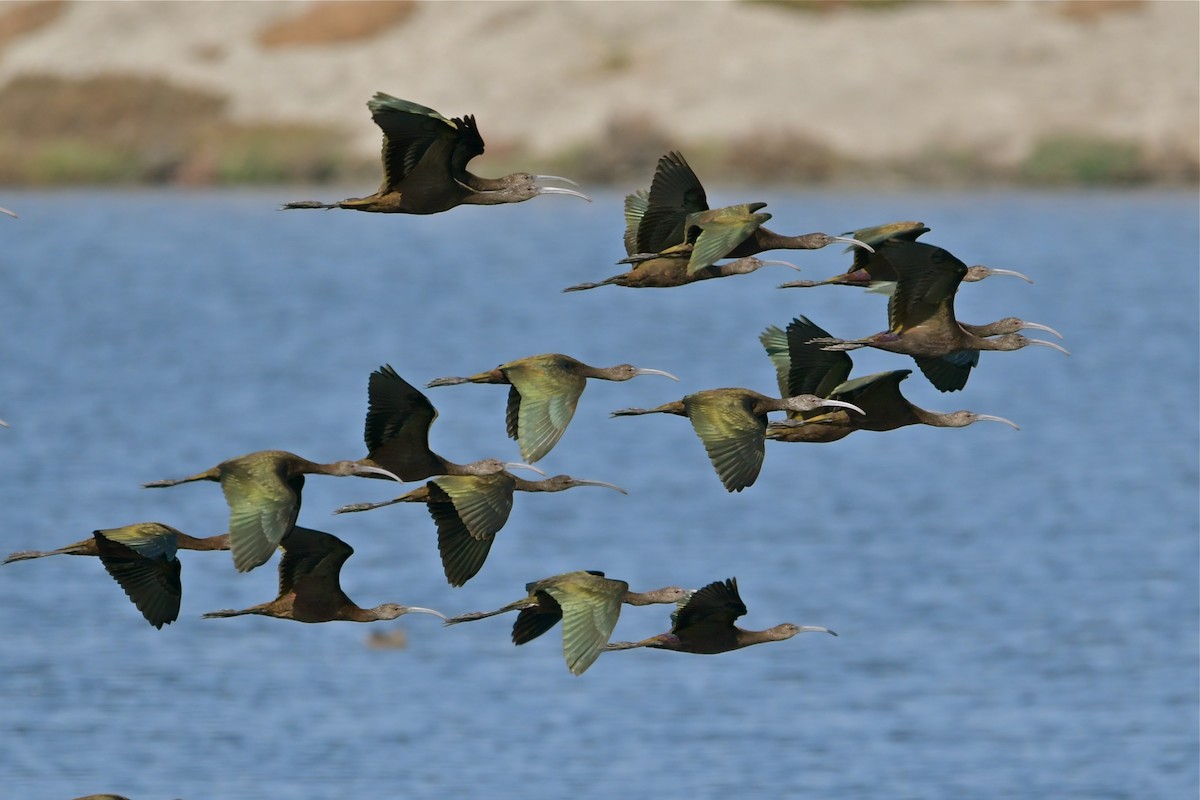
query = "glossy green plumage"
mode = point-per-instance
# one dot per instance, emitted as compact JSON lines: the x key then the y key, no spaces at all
{"x":732,"y":433}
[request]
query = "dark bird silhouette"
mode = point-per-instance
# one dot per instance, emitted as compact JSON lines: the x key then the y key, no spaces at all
{"x":469,"y":510}
{"x":805,"y":368}
{"x":263,"y":493}
{"x":732,"y":424}
{"x":677,"y":223}
{"x":922,"y":322}
{"x":310,"y":589}
{"x":544,"y":391}
{"x":666,"y":271}
{"x":141,"y":559}
{"x":875,"y":270}
{"x":425,"y":160}
{"x":588,"y":604}
{"x":397,"y":433}
{"x":704,"y":624}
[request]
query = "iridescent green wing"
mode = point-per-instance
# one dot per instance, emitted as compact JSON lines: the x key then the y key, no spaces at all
{"x":468,"y":510}
{"x":263,"y":507}
{"x":875,"y":236}
{"x":732,"y":435}
{"x":546,"y":397}
{"x":590,"y":608}
{"x":721,"y":230}
{"x":145,"y":567}
{"x":635,"y":208}
{"x":775,"y":342}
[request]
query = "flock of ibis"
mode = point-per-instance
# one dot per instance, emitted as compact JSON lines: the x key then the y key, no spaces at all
{"x":672,"y":238}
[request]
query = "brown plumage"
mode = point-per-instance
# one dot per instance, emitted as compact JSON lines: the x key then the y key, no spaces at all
{"x":310,"y":587}
{"x":262,"y":490}
{"x":664,"y":272}
{"x":732,"y":425}
{"x":397,"y":432}
{"x":586,"y":602}
{"x":544,"y":391}
{"x":141,"y":559}
{"x":875,"y":270}
{"x":922,"y":322}
{"x":676,"y":223}
{"x":703,"y":624}
{"x":425,"y":159}
{"x":807,"y":368}
{"x":469,"y":510}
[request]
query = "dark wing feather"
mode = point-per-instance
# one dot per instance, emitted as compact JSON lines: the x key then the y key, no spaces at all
{"x":409,"y":131}
{"x":151,"y":582}
{"x":675,"y":192}
{"x":533,"y":622}
{"x":718,"y":604}
{"x":467,"y":144}
{"x":813,"y":370}
{"x":929,"y":277}
{"x":949,"y":373}
{"x":397,"y":426}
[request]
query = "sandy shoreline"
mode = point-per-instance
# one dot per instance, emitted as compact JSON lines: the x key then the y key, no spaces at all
{"x":988,"y":80}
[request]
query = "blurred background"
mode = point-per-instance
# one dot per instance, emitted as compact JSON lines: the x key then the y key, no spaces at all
{"x":813,"y":91}
{"x":1019,"y":611}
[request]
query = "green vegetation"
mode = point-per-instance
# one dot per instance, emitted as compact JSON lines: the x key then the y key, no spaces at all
{"x":120,"y":129}
{"x":1081,"y":159}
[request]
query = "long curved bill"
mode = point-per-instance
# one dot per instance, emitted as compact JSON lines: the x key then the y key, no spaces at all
{"x":1055,"y":345}
{"x":555,"y":178}
{"x":815,"y":629}
{"x":9,"y":213}
{"x":523,"y":465}
{"x":1037,"y":326}
{"x":993,"y":418}
{"x":842,"y":404}
{"x":4,"y":424}
{"x":855,"y":242}
{"x":776,"y":263}
{"x":664,"y":373}
{"x":557,"y":189}
{"x":362,"y":468}
{"x":991,"y":271}
{"x":605,"y":484}
{"x":421,"y":610}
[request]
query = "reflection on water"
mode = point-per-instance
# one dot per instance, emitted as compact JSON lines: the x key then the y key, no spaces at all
{"x":1017,"y":610}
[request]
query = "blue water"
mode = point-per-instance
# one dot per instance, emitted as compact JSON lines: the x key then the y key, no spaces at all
{"x":1018,"y":610}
